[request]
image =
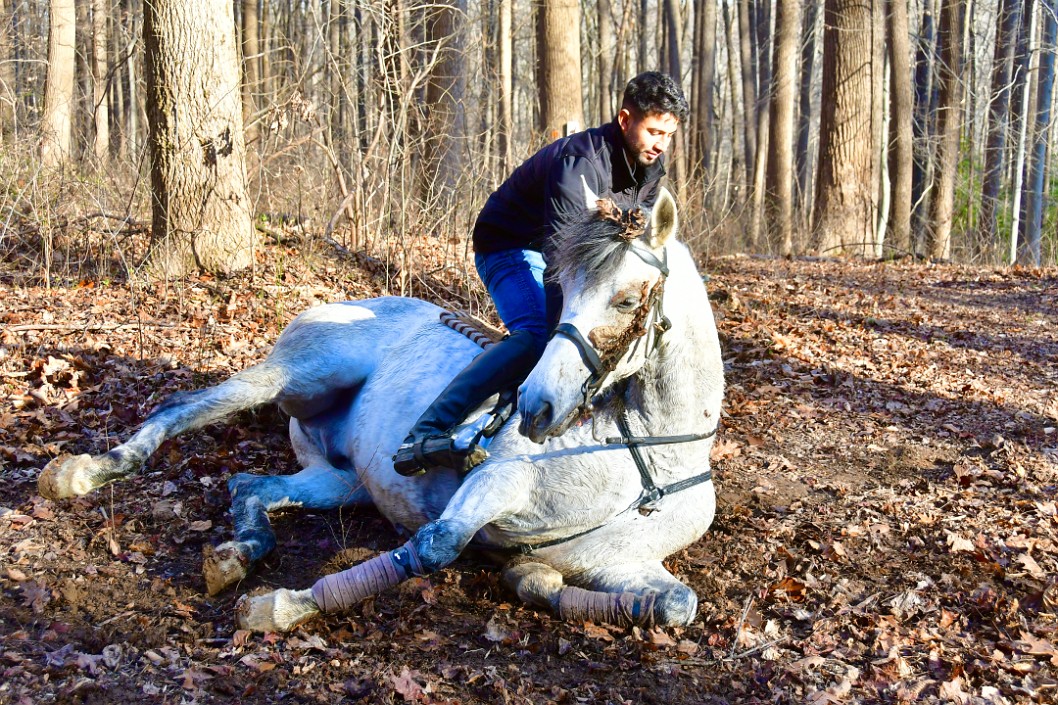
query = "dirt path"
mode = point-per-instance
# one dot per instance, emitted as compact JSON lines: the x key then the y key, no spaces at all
{"x":887,"y":529}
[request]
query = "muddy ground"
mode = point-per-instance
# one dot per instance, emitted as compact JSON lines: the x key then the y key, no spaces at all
{"x":887,"y":527}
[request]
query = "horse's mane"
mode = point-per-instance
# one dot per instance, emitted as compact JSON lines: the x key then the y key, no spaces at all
{"x":595,"y":246}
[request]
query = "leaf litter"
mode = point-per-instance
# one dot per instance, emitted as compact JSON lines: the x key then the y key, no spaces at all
{"x":886,"y":471}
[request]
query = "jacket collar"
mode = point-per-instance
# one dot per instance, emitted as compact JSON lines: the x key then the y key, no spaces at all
{"x":622,"y":177}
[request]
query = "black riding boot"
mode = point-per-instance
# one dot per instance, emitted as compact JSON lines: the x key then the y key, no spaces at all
{"x":429,"y":443}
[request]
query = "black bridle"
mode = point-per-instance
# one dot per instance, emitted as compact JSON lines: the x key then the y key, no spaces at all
{"x":651,"y":317}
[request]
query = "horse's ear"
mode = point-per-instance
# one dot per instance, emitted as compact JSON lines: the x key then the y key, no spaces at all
{"x":663,"y":220}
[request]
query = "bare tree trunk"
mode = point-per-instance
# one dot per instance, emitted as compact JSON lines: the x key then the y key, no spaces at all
{"x":445,"y":95}
{"x":1029,"y":250}
{"x":922,"y":126}
{"x":133,"y":97}
{"x":949,"y":128}
{"x":780,"y":182}
{"x":1022,"y":98}
{"x":558,"y":42}
{"x":100,"y":40}
{"x":749,"y":88}
{"x":251,"y":67}
{"x":201,"y":209}
{"x":844,"y":207}
{"x":878,"y":124}
{"x":763,"y":40}
{"x":506,"y":87}
{"x":987,"y":244}
{"x":56,"y":124}
{"x":805,"y":114}
{"x":643,"y":56}
{"x":901,"y":136}
{"x":8,"y":89}
{"x":704,"y":78}
{"x":606,"y":61}
{"x":673,"y":25}
{"x":738,"y":121}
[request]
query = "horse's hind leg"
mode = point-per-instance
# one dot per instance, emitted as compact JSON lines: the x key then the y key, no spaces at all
{"x":319,"y":486}
{"x":71,"y":476}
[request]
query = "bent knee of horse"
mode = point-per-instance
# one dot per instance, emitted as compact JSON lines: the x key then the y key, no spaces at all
{"x":438,"y":544}
{"x":676,"y":607}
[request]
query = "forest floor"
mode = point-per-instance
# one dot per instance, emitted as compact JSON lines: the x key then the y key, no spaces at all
{"x":887,"y":528}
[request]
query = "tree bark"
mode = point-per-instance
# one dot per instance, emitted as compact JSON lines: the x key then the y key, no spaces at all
{"x":100,"y":71}
{"x":606,"y":61}
{"x":445,"y":94}
{"x":558,"y":51}
{"x":901,"y":136}
{"x":673,"y":25}
{"x":734,"y":82}
{"x":780,"y":181}
{"x":844,"y":219}
{"x":56,"y":123}
{"x":805,"y":118}
{"x":1029,"y":249}
{"x":987,"y":244}
{"x":922,"y":126}
{"x":251,"y":67}
{"x":1022,"y":99}
{"x":505,"y":102}
{"x":202,"y":219}
{"x":8,"y":79}
{"x":749,"y":88}
{"x":704,"y":78}
{"x":949,"y":128}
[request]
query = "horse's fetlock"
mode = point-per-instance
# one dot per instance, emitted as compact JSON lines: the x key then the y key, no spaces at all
{"x":676,"y":607}
{"x":242,"y":483}
{"x":437,"y":545}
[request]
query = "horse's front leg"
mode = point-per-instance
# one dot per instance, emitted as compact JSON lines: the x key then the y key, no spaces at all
{"x":626,"y":595}
{"x":641,"y":593}
{"x":489,"y":493}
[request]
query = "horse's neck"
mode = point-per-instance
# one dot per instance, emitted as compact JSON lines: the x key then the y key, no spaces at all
{"x":679,"y":390}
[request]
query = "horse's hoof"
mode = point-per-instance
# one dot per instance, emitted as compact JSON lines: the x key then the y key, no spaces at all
{"x":67,"y":476}
{"x":223,"y":566}
{"x":277,"y":611}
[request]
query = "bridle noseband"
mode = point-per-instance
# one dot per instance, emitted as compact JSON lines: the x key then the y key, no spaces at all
{"x":649,"y":318}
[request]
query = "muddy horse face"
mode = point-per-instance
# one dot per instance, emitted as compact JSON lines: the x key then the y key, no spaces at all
{"x":613,"y":271}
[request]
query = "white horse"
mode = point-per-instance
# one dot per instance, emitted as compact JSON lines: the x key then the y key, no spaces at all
{"x":584,"y":509}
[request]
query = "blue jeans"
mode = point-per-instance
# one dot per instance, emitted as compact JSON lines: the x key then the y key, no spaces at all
{"x":515,"y":280}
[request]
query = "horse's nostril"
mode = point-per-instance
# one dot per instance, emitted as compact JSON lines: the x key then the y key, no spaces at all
{"x":540,"y":419}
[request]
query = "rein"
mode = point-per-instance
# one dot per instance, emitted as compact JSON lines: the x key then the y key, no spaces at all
{"x":599,"y":367}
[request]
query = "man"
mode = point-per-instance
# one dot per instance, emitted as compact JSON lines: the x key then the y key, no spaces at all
{"x":622,"y":160}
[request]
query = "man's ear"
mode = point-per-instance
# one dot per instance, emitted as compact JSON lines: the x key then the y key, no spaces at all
{"x":623,"y":117}
{"x":663,"y":220}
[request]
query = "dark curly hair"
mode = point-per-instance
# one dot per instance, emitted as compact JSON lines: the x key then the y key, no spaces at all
{"x":655,"y":93}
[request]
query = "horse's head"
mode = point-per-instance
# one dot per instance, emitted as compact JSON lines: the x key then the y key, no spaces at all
{"x":612,"y":271}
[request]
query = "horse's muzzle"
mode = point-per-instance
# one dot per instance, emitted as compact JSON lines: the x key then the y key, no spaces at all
{"x":535,"y":427}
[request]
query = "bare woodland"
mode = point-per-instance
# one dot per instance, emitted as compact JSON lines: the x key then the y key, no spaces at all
{"x":179,"y":179}
{"x":832,"y":128}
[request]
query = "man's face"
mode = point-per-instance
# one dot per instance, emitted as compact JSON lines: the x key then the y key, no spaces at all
{"x":648,"y":136}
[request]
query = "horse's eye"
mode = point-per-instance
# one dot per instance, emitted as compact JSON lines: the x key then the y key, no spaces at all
{"x":627,"y":304}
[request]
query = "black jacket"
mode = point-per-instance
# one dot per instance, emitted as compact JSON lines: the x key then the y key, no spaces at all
{"x":547,"y":191}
